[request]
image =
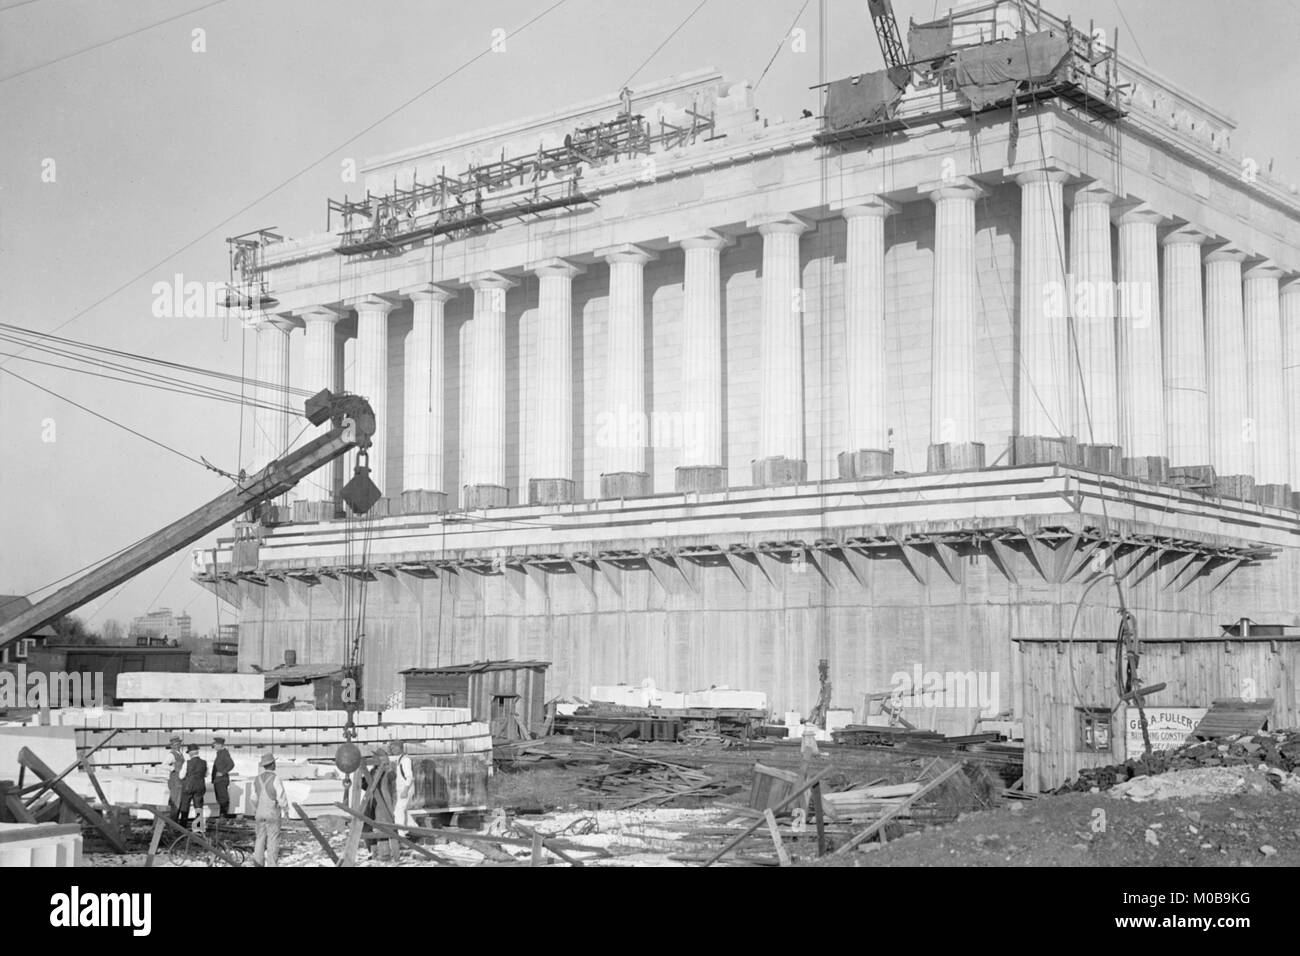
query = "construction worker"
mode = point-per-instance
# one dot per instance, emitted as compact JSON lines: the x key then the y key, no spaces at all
{"x":193,"y":786}
{"x":177,"y":759}
{"x":222,"y":764}
{"x":266,"y":805}
{"x":404,"y":784}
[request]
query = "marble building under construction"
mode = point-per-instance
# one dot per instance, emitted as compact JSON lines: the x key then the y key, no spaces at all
{"x":668,"y":388}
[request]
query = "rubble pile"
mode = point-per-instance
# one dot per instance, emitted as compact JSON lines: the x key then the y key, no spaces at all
{"x":1275,"y":750}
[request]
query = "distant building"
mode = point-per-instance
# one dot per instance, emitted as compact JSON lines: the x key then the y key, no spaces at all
{"x":161,"y":627}
{"x":227,"y":640}
{"x":11,"y":605}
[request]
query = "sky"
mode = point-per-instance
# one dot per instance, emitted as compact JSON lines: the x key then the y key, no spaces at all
{"x":126,"y":163}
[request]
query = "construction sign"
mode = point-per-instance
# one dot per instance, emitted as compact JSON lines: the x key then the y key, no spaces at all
{"x":1168,"y":727}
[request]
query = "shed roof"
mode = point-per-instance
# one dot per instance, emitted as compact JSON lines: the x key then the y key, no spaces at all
{"x":301,"y":673}
{"x":478,"y":667}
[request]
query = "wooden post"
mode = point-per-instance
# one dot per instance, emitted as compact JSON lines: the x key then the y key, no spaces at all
{"x":72,"y":798}
{"x":354,"y":831}
{"x":773,"y":829}
{"x":821,"y":820}
{"x":536,"y":859}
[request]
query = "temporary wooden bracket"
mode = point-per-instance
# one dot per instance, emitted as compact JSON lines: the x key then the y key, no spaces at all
{"x":517,"y":577}
{"x":613,"y":574}
{"x":1224,"y":572}
{"x":1152,"y":565}
{"x":1041,"y":557}
{"x":1082,"y":558}
{"x":857,"y":562}
{"x":1003,"y":556}
{"x":1193,"y":562}
{"x":948,"y":559}
{"x":913,"y":559}
{"x":584,"y":571}
{"x":689,"y":570}
{"x":1066,"y":552}
{"x":741,"y":568}
{"x":663,"y":573}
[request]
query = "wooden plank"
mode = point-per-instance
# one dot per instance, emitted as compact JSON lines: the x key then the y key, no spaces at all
{"x":739,"y":838}
{"x":879,"y":824}
{"x":48,"y":830}
{"x":161,"y":815}
{"x":775,"y":831}
{"x":72,"y":798}
{"x":315,"y":831}
{"x":537,"y":859}
{"x":821,"y":820}
{"x":38,"y":789}
{"x":857,"y":563}
{"x":158,"y":828}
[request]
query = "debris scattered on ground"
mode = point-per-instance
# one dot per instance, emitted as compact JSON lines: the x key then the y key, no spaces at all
{"x":1278,"y":750}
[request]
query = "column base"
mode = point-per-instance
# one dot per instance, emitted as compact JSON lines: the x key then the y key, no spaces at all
{"x":551,"y":491}
{"x":309,"y":512}
{"x":1146,"y":467}
{"x":955,"y":456}
{"x":866,"y":463}
{"x":1275,"y":496}
{"x":1104,"y":458}
{"x":1044,"y":450}
{"x":1240,"y":487}
{"x":1193,"y":477}
{"x":779,"y":470}
{"x":701,"y":478}
{"x":625,"y":484}
{"x":477,"y":497}
{"x":420,"y":502}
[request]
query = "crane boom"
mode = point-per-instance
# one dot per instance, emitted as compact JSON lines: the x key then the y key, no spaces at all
{"x":891,"y":41}
{"x":353,"y":423}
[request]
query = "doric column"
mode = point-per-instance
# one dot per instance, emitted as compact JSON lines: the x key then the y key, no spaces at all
{"x":702,"y":456}
{"x":1047,"y":378}
{"x":1096,"y":403}
{"x":422,"y":399}
{"x":321,"y":370}
{"x":552,"y":436}
{"x":954,"y":425}
{"x":866,"y":450}
{"x":781,"y":433}
{"x":485,"y":444}
{"x":1141,"y":358}
{"x":626,"y":426}
{"x":1187,"y":403}
{"x":372,"y":380}
{"x":1265,"y":398}
{"x":1290,"y":309}
{"x":1225,"y":366}
{"x":271,"y":428}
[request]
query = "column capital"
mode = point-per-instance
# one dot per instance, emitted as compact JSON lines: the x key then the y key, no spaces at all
{"x":318,"y":313}
{"x":1263,"y":269}
{"x":1185,"y":235}
{"x":626,"y":252}
{"x":1032,"y":176}
{"x":372,"y":303}
{"x":284,"y":322}
{"x":483,"y":281}
{"x":778,"y":223}
{"x":1129,"y":212}
{"x":866,"y":206}
{"x":1081,"y":194}
{"x":555,"y":266}
{"x":1226,"y":252}
{"x":705,"y":239}
{"x":960,"y":187}
{"x":426,"y":292}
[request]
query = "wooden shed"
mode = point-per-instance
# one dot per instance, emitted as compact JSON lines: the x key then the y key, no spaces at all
{"x":108,"y":659}
{"x":1070,"y":699}
{"x":509,"y":695}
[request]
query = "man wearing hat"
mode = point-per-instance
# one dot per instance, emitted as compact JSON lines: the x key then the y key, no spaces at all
{"x":174,"y":777}
{"x":221,"y":767}
{"x":194,"y":786}
{"x":266,"y":805}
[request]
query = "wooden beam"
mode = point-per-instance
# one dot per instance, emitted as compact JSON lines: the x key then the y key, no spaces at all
{"x":740,"y":568}
{"x":586,"y":573}
{"x":948,"y":559}
{"x":1064,"y":555}
{"x":1131,"y":560}
{"x":72,"y":798}
{"x":1225,"y":572}
{"x":315,"y":831}
{"x":1040,"y":556}
{"x":794,"y":795}
{"x":1151,"y":566}
{"x":810,"y":557}
{"x":896,"y":810}
{"x":689,"y":570}
{"x":1179,"y":565}
{"x":613,"y":575}
{"x":662,"y":573}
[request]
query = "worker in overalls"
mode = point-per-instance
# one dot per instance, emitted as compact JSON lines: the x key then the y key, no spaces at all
{"x":177,"y":758}
{"x":222,"y":764}
{"x":267,"y":804}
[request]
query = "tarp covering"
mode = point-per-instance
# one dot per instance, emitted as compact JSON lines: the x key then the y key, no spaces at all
{"x":990,"y":72}
{"x":928,"y":42}
{"x":856,"y":100}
